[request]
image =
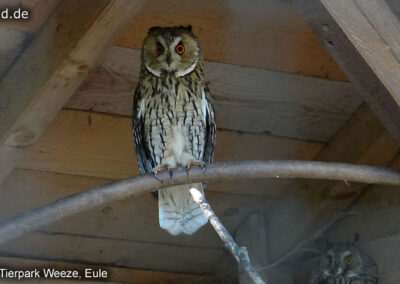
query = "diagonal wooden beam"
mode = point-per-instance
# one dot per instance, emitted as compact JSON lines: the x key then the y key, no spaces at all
{"x":363,"y":37}
{"x":52,"y":67}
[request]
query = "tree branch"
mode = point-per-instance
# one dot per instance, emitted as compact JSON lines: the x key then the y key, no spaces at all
{"x":240,"y":254}
{"x":118,"y":190}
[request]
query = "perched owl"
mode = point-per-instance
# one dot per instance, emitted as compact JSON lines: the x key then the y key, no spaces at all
{"x":173,"y":120}
{"x":345,"y":263}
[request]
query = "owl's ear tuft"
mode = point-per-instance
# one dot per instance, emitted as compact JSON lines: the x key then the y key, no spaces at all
{"x":153,"y":29}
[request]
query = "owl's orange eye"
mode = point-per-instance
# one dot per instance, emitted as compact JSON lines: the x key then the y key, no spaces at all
{"x":159,"y":49}
{"x":348,"y":260}
{"x":180,"y":49}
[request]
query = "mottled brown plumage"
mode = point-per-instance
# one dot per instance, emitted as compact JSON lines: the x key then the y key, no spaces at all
{"x":173,"y":119}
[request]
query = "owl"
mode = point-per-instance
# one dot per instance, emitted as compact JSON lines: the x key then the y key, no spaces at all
{"x":173,"y":120}
{"x":345,"y":263}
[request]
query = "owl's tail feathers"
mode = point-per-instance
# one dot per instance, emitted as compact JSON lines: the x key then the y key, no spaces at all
{"x":178,"y":213}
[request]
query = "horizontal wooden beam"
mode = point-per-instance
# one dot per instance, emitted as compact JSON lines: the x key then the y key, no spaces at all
{"x":101,"y":145}
{"x":235,"y":170}
{"x":248,"y":99}
{"x":266,"y":34}
{"x":363,"y":37}
{"x":53,"y":66}
{"x":115,"y":252}
{"x":134,"y":219}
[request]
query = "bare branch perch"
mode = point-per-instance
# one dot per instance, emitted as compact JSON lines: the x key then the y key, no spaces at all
{"x":118,"y":190}
{"x":240,"y":254}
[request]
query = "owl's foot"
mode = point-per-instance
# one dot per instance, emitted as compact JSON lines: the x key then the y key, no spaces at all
{"x":198,"y":163}
{"x":156,"y":172}
{"x":162,"y":167}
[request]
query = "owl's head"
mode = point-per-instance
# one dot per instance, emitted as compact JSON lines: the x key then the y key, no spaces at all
{"x":344,"y":259}
{"x":170,"y":50}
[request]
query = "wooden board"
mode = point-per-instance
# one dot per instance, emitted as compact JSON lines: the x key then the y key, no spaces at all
{"x":264,"y":33}
{"x":310,"y":205}
{"x":248,"y":99}
{"x":361,"y":52}
{"x":116,"y":275}
{"x":132,"y":222}
{"x":134,"y":219}
{"x":53,"y":66}
{"x":93,"y":144}
{"x":377,"y":213}
{"x":102,"y":251}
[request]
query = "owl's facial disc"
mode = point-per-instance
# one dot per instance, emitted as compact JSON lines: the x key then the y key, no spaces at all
{"x":167,"y":54}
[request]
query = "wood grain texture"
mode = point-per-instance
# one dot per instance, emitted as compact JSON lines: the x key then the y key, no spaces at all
{"x":313,"y":204}
{"x":54,"y":65}
{"x":134,"y":219}
{"x":248,"y":99}
{"x":263,"y":33}
{"x":116,"y":274}
{"x":93,"y":144}
{"x":372,"y":27}
{"x":361,"y":52}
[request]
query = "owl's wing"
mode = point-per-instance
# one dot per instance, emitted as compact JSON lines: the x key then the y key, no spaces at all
{"x":210,"y":128}
{"x":146,"y":163}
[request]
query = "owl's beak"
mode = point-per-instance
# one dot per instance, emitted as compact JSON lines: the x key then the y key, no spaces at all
{"x":168,"y":59}
{"x":339,"y":271}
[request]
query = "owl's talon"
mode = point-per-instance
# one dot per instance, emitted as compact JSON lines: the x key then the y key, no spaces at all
{"x":156,"y":177}
{"x":170,"y":173}
{"x":204,"y":168}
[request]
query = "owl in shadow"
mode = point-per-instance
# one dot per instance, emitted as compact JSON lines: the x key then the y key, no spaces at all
{"x":345,"y":263}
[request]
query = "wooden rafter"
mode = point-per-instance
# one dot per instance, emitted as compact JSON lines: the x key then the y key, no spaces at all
{"x":310,"y":205}
{"x":52,"y":67}
{"x":278,"y":103}
{"x":363,"y":37}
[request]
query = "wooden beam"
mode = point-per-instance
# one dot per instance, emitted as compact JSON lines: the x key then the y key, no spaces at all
{"x":377,"y":210}
{"x":101,"y":145}
{"x":308,"y":205}
{"x":363,"y":37}
{"x":115,"y":252}
{"x":53,"y":66}
{"x":267,"y":34}
{"x":277,"y":103}
{"x":130,"y":224}
{"x":133,"y":219}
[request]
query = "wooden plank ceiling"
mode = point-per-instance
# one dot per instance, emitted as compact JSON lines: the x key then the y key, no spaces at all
{"x":279,"y":95}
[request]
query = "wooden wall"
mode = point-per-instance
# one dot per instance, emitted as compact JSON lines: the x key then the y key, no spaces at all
{"x":279,"y":95}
